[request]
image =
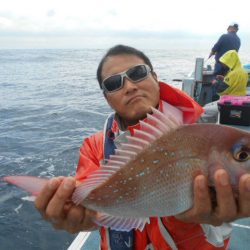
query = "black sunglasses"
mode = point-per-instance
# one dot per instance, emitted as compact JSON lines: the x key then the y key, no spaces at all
{"x":134,"y":74}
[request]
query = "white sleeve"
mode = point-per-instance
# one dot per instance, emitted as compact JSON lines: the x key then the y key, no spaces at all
{"x":217,"y":235}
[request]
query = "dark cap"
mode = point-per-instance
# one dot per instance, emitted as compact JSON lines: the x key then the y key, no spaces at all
{"x":234,"y":25}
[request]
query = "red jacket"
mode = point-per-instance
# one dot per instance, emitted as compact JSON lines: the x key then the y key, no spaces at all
{"x":161,"y":233}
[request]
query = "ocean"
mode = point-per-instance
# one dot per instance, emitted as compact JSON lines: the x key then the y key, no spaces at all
{"x":49,"y":102}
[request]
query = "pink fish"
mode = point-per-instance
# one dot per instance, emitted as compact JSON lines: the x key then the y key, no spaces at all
{"x":152,"y":174}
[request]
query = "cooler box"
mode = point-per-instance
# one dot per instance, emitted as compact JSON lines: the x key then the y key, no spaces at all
{"x":234,"y":110}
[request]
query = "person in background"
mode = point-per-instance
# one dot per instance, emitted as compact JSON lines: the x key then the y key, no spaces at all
{"x":232,"y":79}
{"x":130,"y":86}
{"x":229,"y":41}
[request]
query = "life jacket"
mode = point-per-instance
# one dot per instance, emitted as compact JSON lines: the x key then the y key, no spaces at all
{"x":158,"y":233}
{"x":116,"y":240}
{"x":121,"y":240}
{"x":161,"y":233}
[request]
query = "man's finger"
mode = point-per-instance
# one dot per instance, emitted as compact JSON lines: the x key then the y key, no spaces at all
{"x":202,"y":200}
{"x":46,"y":194}
{"x":226,"y":206}
{"x":244,"y":197}
{"x":55,"y":208}
{"x":201,"y":210}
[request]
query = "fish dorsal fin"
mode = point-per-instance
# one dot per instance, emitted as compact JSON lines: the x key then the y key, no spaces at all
{"x":174,"y":111}
{"x":154,"y":127}
{"x":120,"y":223}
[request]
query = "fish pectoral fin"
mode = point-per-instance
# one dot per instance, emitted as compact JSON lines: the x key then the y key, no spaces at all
{"x":120,"y":223}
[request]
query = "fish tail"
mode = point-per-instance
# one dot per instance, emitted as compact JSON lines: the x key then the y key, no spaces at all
{"x":31,"y":184}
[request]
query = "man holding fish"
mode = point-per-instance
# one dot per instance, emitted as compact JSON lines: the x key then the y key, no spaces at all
{"x":131,"y":88}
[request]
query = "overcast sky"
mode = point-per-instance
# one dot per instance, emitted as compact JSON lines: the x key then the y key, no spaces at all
{"x":101,"y":23}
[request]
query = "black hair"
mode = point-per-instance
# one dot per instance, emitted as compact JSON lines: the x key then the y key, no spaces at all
{"x":119,"y":50}
{"x":235,"y":26}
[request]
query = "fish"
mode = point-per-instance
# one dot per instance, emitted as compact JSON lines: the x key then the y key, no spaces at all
{"x":152,"y":173}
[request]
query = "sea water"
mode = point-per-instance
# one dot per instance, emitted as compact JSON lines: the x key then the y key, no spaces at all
{"x":49,"y":102}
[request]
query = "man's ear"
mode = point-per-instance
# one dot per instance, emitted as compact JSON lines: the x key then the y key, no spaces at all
{"x":155,"y":76}
{"x":105,"y":96}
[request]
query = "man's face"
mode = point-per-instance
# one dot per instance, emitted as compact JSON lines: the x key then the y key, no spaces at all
{"x":133,"y":101}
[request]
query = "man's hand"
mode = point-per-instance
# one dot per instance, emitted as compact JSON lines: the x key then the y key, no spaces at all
{"x":227,"y":209}
{"x":214,"y":81}
{"x":220,"y":77}
{"x":211,"y":54}
{"x":55,"y":205}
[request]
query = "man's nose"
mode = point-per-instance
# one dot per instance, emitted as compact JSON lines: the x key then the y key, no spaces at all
{"x":129,"y":85}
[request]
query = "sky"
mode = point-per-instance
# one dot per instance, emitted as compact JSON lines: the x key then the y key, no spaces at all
{"x":103,"y":23}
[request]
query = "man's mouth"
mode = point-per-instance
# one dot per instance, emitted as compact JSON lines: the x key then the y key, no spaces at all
{"x":134,"y":98}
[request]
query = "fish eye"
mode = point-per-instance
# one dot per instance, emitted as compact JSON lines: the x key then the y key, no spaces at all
{"x":241,"y":153}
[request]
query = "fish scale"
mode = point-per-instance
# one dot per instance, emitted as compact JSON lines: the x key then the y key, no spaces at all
{"x":152,"y":174}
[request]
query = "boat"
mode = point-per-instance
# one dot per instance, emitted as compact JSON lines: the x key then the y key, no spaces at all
{"x":86,"y":240}
{"x":198,"y":86}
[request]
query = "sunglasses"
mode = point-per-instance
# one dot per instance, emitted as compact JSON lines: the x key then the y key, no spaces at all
{"x":134,"y":74}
